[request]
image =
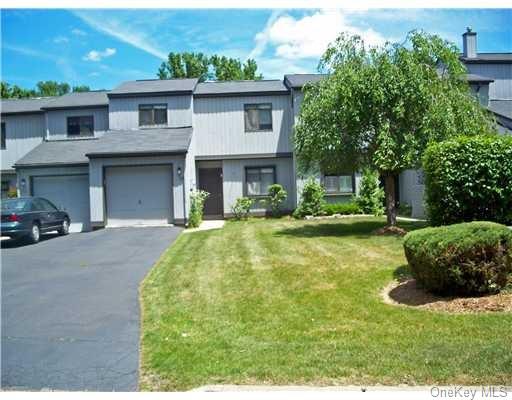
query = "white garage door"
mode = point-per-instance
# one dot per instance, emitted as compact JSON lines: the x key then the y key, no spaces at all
{"x":140,"y":195}
{"x":69,"y":193}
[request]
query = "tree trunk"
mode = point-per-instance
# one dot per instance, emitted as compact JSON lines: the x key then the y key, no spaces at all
{"x":389,"y":189}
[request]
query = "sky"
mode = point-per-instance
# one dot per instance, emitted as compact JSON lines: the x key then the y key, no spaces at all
{"x":101,"y":48}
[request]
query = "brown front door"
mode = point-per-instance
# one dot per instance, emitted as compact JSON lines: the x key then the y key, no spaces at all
{"x":210,"y":180}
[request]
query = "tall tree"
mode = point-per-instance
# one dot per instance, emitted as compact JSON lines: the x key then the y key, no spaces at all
{"x":52,"y":88}
{"x":198,"y":65}
{"x":381,"y":107}
{"x":81,"y":88}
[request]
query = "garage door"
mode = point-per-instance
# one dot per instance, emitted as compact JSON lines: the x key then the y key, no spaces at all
{"x":140,"y":195}
{"x":69,"y":193}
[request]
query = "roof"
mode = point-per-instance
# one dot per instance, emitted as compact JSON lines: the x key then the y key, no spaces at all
{"x":144,"y":141}
{"x":79,"y":99}
{"x":478,"y":78}
{"x":23,"y":106}
{"x":501,"y":107}
{"x":297,"y":81}
{"x":58,"y":152}
{"x":234,"y":88}
{"x":488,"y":58}
{"x":155,"y":86}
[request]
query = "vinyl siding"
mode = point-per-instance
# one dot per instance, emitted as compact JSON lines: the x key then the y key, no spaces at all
{"x":57,"y":121}
{"x":412,"y":193}
{"x":219,"y":126}
{"x":124,"y":112}
{"x":233,"y":173}
{"x":23,"y":133}
{"x":501,"y":88}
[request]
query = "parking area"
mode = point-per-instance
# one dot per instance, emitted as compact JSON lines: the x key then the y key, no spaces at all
{"x":70,"y":308}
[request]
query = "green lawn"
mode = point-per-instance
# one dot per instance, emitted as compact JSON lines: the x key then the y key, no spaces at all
{"x":297,"y":302}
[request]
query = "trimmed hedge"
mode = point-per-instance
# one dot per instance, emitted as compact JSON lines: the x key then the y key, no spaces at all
{"x":466,"y":259}
{"x":469,"y":178}
{"x":342,"y":208}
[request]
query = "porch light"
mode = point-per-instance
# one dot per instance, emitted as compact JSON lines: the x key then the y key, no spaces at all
{"x":179,"y":171}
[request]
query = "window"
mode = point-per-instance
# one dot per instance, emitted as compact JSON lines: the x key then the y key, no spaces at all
{"x":152,"y":114}
{"x":258,"y":117}
{"x":47,"y":206}
{"x":339,"y":184}
{"x":81,"y":126}
{"x":3,"y":136}
{"x":258,"y":179}
{"x":5,"y":188}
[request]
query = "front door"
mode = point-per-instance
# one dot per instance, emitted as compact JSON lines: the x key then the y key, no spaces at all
{"x":210,"y":180}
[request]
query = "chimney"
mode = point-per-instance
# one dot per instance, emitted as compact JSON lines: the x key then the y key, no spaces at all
{"x":469,"y":43}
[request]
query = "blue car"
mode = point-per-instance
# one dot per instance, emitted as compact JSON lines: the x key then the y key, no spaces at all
{"x":29,"y":217}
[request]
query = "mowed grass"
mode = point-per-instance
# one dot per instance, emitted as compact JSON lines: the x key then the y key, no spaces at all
{"x":298,"y":302}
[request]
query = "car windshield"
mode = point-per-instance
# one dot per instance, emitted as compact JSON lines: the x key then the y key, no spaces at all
{"x":14,"y":204}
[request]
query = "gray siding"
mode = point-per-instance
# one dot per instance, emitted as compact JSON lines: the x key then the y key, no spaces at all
{"x":412,"y":192}
{"x":97,"y":195}
{"x":124,"y":112}
{"x":28,"y":173}
{"x":233,"y":173}
{"x":57,"y":121}
{"x":23,"y":133}
{"x":501,"y":88}
{"x":219,"y":126}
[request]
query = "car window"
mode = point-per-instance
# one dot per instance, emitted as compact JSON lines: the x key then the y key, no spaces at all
{"x":36,"y":205}
{"x":14,"y":205}
{"x":48,"y":206}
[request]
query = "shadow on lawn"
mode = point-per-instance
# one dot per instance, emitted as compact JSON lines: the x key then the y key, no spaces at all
{"x":360,"y":229}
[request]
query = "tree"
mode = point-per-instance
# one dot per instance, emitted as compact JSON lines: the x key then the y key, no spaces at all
{"x":52,"y":88}
{"x":9,"y":91}
{"x":380,"y":107}
{"x":198,"y":65}
{"x":81,"y":88}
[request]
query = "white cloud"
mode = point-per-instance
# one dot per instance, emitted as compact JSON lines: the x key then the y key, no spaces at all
{"x":78,"y":32}
{"x":96,"y":55}
{"x":94,"y":74}
{"x":122,"y":30}
{"x":60,"y":39}
{"x":309,"y":36}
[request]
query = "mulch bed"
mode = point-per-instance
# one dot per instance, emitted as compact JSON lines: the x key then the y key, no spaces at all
{"x":390,"y":230}
{"x":407,"y":293}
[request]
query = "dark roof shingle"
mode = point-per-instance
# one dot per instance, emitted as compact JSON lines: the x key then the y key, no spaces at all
{"x":488,"y":58}
{"x":234,"y":88}
{"x":79,"y":99}
{"x":478,"y":78}
{"x":297,"y":81}
{"x":155,"y":86}
{"x":19,"y":106}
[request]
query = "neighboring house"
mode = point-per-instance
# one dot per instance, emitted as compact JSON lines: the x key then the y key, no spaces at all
{"x":132,"y":155}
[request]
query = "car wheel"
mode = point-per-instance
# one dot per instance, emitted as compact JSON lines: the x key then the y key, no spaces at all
{"x":65,"y":227}
{"x":35,"y":234}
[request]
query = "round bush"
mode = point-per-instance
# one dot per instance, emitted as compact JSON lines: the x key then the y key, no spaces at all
{"x":464,"y":259}
{"x":469,"y":179}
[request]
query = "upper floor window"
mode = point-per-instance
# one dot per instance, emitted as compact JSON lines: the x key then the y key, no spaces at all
{"x":81,"y":126}
{"x":3,"y":136}
{"x":339,"y":184}
{"x":258,"y":117}
{"x":152,"y":114}
{"x":258,"y":179}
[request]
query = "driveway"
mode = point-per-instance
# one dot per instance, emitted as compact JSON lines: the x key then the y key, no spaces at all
{"x":70,"y":308}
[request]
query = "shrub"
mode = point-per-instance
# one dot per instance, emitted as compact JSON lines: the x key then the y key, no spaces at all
{"x":342,"y":208}
{"x":469,"y":178}
{"x":276,"y":196}
{"x":312,"y":200}
{"x":197,"y":199}
{"x":242,"y":207}
{"x":371,"y":195}
{"x":12,"y":193}
{"x":467,"y":258}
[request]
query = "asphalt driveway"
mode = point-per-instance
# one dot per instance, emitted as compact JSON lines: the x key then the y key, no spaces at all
{"x":70,"y":308}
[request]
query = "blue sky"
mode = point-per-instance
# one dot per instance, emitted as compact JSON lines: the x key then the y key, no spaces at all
{"x":101,"y":48}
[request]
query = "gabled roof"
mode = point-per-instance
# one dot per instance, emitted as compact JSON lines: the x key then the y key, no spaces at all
{"x":79,"y":100}
{"x":154,"y":86}
{"x":24,"y":106}
{"x":297,"y":81}
{"x":478,"y":78}
{"x":240,"y":88}
{"x":488,"y":58}
{"x":142,"y":142}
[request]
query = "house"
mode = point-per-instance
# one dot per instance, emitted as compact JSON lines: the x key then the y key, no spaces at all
{"x":132,"y":155}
